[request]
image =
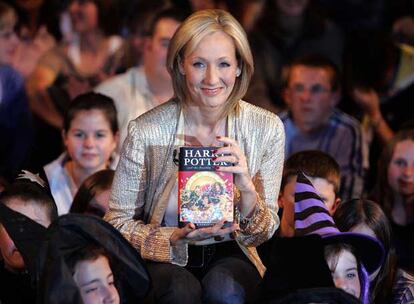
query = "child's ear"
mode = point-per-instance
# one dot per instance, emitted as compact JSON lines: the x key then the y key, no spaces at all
{"x":336,"y":205}
{"x":280,"y":200}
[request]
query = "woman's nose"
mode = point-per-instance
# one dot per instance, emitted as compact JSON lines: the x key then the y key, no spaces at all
{"x":211,"y":76}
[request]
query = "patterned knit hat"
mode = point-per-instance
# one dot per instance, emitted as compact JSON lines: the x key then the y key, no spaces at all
{"x":312,"y":217}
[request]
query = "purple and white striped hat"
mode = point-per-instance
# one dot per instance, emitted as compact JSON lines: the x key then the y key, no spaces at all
{"x":312,"y":217}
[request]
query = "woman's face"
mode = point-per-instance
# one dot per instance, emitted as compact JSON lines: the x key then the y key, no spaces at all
{"x":89,"y":140}
{"x":210,"y":71}
{"x":345,"y":273}
{"x":95,"y":281}
{"x":401,"y":169}
{"x":292,"y":8}
{"x":84,"y":16}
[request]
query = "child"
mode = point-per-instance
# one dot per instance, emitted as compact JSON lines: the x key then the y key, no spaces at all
{"x":93,"y":275}
{"x":90,"y":135}
{"x":15,"y":118}
{"x":93,"y":195}
{"x":29,"y":198}
{"x":318,"y":245}
{"x":390,"y":284}
{"x":85,"y":256}
{"x":395,"y":193}
{"x":324,"y":173}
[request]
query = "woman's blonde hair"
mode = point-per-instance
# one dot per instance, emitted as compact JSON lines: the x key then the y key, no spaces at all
{"x":188,"y":36}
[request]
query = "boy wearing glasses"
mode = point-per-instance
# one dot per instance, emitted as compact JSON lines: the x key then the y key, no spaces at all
{"x":312,"y":121}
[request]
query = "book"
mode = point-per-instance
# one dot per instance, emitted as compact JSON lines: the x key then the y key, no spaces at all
{"x":205,"y":196}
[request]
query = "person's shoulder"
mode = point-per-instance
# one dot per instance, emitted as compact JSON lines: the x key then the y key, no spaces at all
{"x":10,"y":76}
{"x":341,"y":117}
{"x":116,"y":82}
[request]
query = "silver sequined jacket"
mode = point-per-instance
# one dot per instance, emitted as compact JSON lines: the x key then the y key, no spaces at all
{"x":139,"y":198}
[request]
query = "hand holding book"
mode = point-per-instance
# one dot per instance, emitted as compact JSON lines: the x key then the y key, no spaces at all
{"x":190,"y":234}
{"x":232,"y":153}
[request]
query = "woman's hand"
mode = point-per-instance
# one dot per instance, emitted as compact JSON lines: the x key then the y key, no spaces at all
{"x":242,"y":179}
{"x":190,"y":234}
{"x":233,"y":154}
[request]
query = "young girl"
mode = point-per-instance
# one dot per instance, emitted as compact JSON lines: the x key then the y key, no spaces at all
{"x":389,"y":284}
{"x":346,"y":270}
{"x":90,"y":135}
{"x":395,"y":193}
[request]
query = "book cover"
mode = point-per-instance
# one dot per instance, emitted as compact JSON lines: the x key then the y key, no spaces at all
{"x":205,"y":196}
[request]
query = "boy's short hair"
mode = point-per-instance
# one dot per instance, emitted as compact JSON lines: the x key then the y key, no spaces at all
{"x":91,"y":252}
{"x":8,"y":16}
{"x":313,"y":163}
{"x":30,"y":193}
{"x":314,"y":61}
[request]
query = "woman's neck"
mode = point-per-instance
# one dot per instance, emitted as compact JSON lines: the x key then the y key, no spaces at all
{"x":202,"y":127}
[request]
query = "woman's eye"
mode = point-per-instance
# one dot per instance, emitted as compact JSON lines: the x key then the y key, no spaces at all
{"x":224,"y":64}
{"x":198,"y":65}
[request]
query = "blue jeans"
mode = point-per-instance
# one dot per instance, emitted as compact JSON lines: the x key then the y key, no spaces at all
{"x":227,"y":277}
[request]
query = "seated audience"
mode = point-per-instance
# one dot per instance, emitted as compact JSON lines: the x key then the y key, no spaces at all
{"x":90,"y":135}
{"x":93,"y":194}
{"x":72,"y":68}
{"x":389,"y":284}
{"x":142,"y":88}
{"x":319,"y":245}
{"x":285,"y":31}
{"x":312,"y":91}
{"x":38,"y":30}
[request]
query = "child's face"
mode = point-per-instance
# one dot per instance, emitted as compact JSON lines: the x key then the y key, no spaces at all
{"x":345,"y":273}
{"x":11,"y":255}
{"x":287,"y":201}
{"x":96,"y":281}
{"x":89,"y":140}
{"x":401,"y":168}
{"x":8,"y":44}
{"x":326,"y":191}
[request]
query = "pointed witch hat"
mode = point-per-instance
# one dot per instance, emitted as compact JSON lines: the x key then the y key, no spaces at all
{"x":312,"y":217}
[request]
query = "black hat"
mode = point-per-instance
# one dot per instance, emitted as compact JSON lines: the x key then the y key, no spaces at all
{"x":71,"y":232}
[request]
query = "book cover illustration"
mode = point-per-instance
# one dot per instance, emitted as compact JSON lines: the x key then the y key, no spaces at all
{"x":205,"y":195}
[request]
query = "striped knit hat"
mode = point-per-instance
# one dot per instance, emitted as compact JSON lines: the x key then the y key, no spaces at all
{"x":312,"y":217}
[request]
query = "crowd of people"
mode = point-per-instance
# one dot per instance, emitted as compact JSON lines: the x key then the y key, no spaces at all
{"x":310,"y":110}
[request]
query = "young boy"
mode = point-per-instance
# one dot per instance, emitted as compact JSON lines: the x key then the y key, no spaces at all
{"x":324,"y":173}
{"x":27,"y":197}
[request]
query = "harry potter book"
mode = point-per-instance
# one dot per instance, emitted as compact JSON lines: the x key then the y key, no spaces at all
{"x":205,"y":196}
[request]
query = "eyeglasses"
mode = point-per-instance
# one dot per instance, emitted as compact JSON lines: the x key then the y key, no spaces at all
{"x":313,"y":90}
